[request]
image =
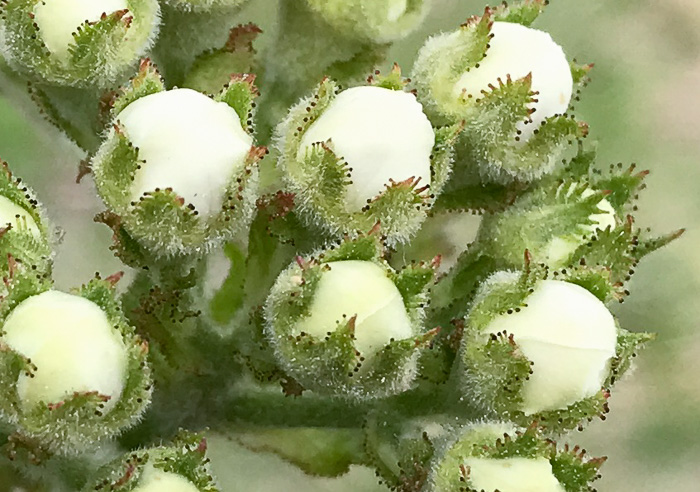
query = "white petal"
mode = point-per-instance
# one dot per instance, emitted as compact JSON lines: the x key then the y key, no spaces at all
{"x":517,"y":51}
{"x":59,"y":19}
{"x":359,"y":288}
{"x":16,"y":216}
{"x":570,"y":336}
{"x":512,"y":475}
{"x":72,"y":344}
{"x":190,"y":143}
{"x":382,"y":134}
{"x":156,"y":480}
{"x":396,"y":9}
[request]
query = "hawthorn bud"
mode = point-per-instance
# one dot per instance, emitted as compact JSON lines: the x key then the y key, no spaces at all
{"x":543,"y":350}
{"x":511,"y":84}
{"x":500,"y":457}
{"x":78,"y":372}
{"x":362,"y":156}
{"x":375,"y":21}
{"x":179,"y":467}
{"x":345,"y":323}
{"x":178,"y":168}
{"x":81,"y":43}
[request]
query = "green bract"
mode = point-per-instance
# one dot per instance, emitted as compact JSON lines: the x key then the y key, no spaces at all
{"x":85,"y":43}
{"x":542,"y":350}
{"x":73,"y":371}
{"x":178,"y":169}
{"x":364,"y":156}
{"x":343,"y":322}
{"x":179,"y":467}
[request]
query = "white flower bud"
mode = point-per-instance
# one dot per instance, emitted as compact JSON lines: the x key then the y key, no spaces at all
{"x":381,"y":133}
{"x":570,"y":337}
{"x":518,"y":51}
{"x":157,"y":480}
{"x":58,"y":20}
{"x":15,"y":216}
{"x":189,"y":142}
{"x":362,"y":289}
{"x":512,"y":475}
{"x":73,"y":346}
{"x":560,"y":249}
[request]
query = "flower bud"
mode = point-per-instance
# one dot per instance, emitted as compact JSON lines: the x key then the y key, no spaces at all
{"x":551,"y":225}
{"x":376,"y":21}
{"x":178,"y":168}
{"x":180,"y":467}
{"x":362,"y":156}
{"x":500,"y":457}
{"x":344,"y":323}
{"x":81,"y":43}
{"x":540,"y":350}
{"x":23,"y":228}
{"x":79,"y":373}
{"x":511,"y":84}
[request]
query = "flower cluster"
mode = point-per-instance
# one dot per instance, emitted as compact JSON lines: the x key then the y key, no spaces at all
{"x":266,"y":206}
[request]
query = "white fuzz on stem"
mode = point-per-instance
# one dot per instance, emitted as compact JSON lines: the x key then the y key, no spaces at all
{"x":15,"y":216}
{"x":156,"y":480}
{"x":519,"y":51}
{"x":512,"y":475}
{"x":58,"y":20}
{"x":73,"y":346}
{"x":189,"y":142}
{"x":362,"y":289}
{"x":569,"y":335}
{"x":382,"y":134}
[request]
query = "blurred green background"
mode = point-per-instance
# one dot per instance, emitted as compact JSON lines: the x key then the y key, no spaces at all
{"x":643,"y":107}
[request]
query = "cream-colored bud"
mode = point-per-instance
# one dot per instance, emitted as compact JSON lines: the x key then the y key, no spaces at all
{"x":569,"y":335}
{"x":362,"y":289}
{"x":157,"y":480}
{"x":15,"y":216}
{"x":381,"y":133}
{"x":518,"y":51}
{"x":512,"y":475}
{"x":190,"y":143}
{"x":73,"y":346}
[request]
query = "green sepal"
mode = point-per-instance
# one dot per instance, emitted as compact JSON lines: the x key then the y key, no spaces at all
{"x":78,"y":423}
{"x":12,"y":365}
{"x":538,"y":218}
{"x":319,"y":452}
{"x":628,"y":345}
{"x":240,"y":93}
{"x":573,"y":469}
{"x":146,"y":82}
{"x":443,"y":60}
{"x":523,"y":12}
{"x":393,"y":81}
{"x":19,"y":282}
{"x":580,"y":75}
{"x":186,"y":456}
{"x":320,"y":179}
{"x":574,"y":416}
{"x":100,"y":53}
{"x":400,"y":449}
{"x":213,"y":69}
